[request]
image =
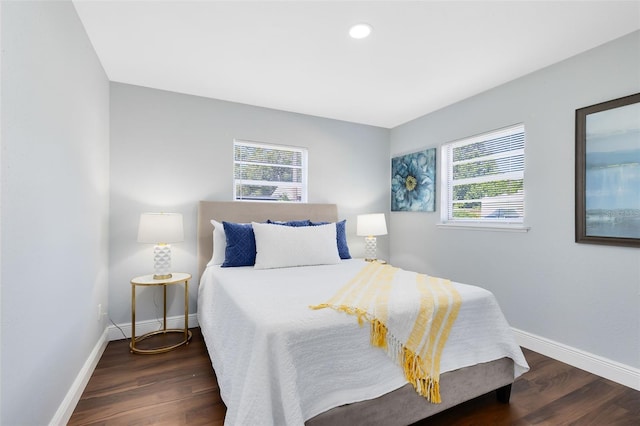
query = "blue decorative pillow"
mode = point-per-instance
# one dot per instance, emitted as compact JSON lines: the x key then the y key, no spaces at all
{"x":341,"y":238}
{"x":241,"y":245}
{"x":305,"y":222}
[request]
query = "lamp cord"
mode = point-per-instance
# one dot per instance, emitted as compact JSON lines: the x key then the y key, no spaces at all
{"x":118,"y":327}
{"x":155,"y":302}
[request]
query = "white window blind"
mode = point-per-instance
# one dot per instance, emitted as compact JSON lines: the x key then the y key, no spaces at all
{"x":269,"y":172}
{"x":483,"y":178}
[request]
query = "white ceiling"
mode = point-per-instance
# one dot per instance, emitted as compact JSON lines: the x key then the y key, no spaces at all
{"x":297,"y":55}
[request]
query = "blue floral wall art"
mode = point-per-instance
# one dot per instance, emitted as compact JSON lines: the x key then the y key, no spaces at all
{"x":413,"y":182}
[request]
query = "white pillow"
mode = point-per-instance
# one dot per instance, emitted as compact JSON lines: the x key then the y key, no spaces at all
{"x":219,"y":244}
{"x":280,"y":246}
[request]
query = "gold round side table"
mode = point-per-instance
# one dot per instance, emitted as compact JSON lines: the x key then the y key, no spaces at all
{"x":147,"y":280}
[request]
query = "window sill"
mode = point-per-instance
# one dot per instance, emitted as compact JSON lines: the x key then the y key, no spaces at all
{"x":485,"y":227}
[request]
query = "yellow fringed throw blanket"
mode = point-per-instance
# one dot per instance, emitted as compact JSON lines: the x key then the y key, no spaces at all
{"x":411,"y":316}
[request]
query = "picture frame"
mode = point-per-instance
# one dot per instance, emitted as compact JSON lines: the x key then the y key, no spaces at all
{"x":607,"y":173}
{"x":413,"y":182}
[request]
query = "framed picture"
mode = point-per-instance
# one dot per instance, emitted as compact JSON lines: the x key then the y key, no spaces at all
{"x":413,"y":182}
{"x":608,"y":172}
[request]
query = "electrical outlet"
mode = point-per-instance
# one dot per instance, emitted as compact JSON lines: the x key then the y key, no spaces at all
{"x":99,"y":311}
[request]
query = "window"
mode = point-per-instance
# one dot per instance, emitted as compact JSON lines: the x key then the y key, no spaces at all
{"x":269,"y":172}
{"x":483,"y":178}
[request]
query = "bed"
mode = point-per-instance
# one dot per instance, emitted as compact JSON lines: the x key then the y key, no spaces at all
{"x":264,"y":340}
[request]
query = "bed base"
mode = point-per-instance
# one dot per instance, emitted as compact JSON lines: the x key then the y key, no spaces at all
{"x":404,"y":406}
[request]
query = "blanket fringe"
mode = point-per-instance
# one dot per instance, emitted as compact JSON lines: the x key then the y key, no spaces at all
{"x":411,"y":363}
{"x":378,"y":334}
{"x":361,"y":314}
{"x":423,"y":384}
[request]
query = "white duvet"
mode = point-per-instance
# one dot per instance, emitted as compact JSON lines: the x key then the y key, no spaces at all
{"x":280,"y":363}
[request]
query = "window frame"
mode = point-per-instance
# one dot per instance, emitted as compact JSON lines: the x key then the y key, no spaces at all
{"x":303,"y":184}
{"x":446,"y":184}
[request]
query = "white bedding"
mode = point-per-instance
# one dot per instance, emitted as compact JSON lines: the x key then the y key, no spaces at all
{"x":279,"y":362}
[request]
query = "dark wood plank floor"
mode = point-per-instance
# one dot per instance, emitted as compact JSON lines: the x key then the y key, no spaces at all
{"x":180,"y":388}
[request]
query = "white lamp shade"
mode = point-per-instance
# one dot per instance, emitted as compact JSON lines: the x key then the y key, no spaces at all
{"x":371,"y":224}
{"x":163,"y":228}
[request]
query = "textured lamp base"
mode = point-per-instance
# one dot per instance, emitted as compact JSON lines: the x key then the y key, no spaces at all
{"x":162,"y":261}
{"x":370,"y":247}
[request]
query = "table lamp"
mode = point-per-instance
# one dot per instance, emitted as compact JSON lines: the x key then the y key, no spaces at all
{"x":161,"y":229}
{"x":370,"y":225}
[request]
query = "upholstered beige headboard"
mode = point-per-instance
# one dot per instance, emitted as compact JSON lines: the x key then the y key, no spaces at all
{"x":245,"y":212}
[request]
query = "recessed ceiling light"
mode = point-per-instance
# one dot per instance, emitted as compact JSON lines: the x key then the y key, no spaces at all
{"x":360,"y":30}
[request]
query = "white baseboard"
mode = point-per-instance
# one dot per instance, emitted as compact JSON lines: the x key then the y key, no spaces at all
{"x":123,"y":331}
{"x":603,"y":367}
{"x":65,"y":410}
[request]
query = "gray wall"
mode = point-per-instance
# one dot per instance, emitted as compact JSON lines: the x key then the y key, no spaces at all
{"x":169,"y":150}
{"x":584,"y":296}
{"x":55,"y":143}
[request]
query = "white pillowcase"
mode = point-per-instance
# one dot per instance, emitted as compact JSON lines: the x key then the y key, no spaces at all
{"x":279,"y":246}
{"x":219,"y":244}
